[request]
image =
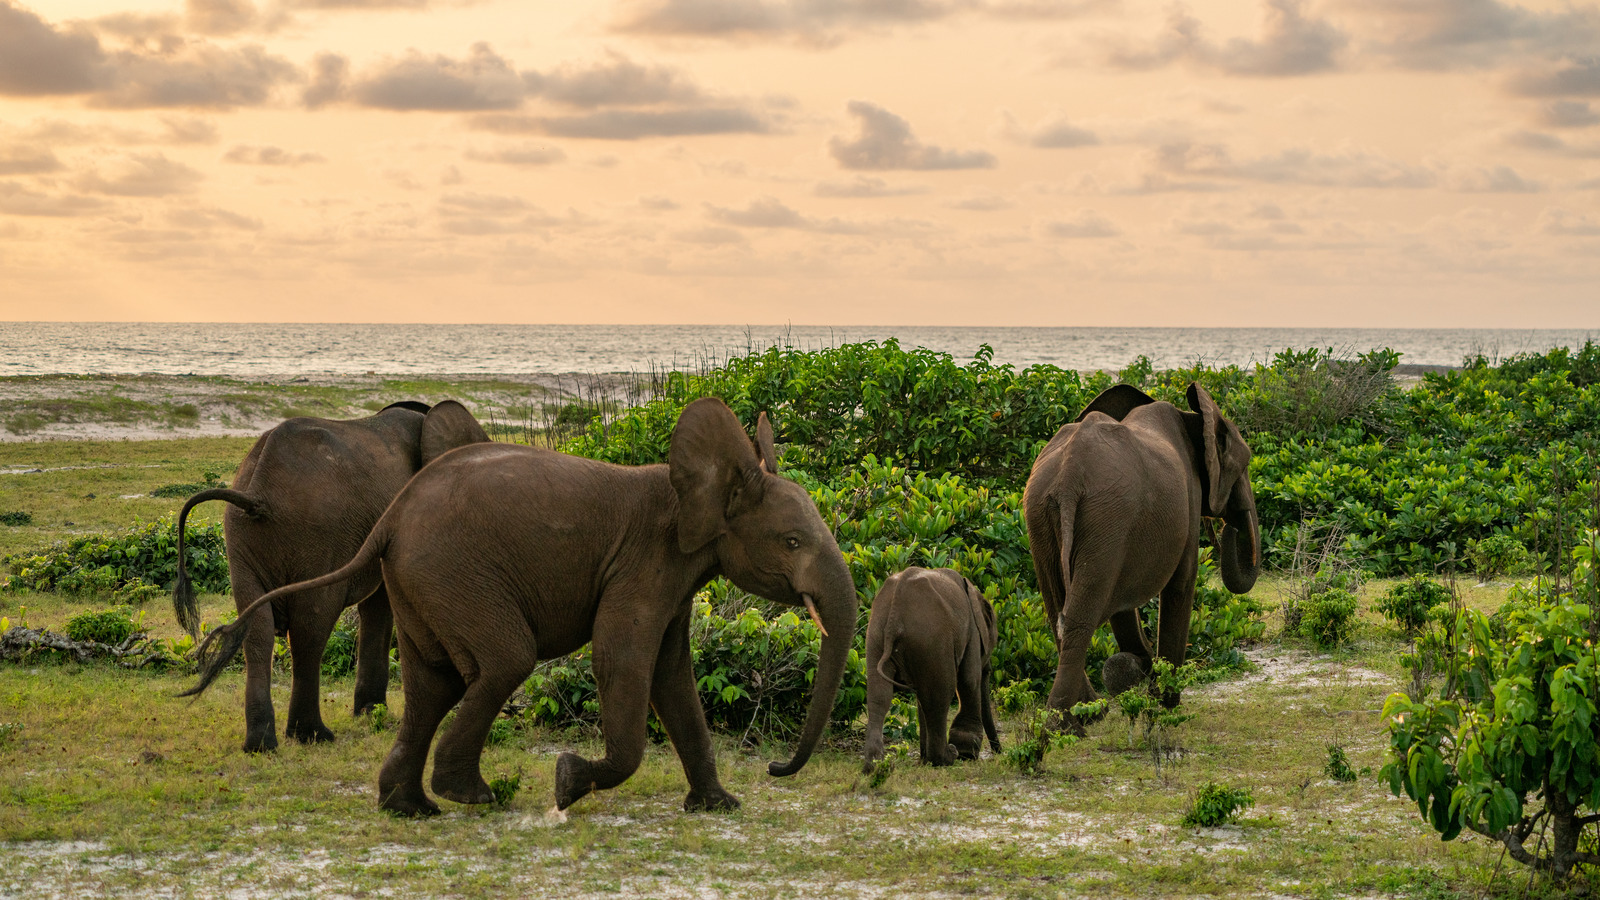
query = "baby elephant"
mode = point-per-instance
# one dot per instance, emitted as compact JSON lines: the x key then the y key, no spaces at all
{"x":932,"y":631}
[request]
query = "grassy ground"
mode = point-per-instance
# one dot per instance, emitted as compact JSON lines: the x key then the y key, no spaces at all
{"x":109,"y":784}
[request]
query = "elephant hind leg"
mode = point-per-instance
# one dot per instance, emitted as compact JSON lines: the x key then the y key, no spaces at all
{"x":966,"y":732}
{"x":374,"y":637}
{"x":933,"y":716}
{"x":309,"y":630}
{"x":260,"y":727}
{"x":431,"y":689}
{"x":457,"y":764}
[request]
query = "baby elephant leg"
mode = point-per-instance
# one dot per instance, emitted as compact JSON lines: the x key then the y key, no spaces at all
{"x":966,"y":732}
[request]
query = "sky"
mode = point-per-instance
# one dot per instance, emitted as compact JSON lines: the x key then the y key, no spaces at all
{"x":1362,"y":163}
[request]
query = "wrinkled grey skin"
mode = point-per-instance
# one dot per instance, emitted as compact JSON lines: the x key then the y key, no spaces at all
{"x":932,"y":631}
{"x":302,"y":503}
{"x":1114,"y":508}
{"x":498,"y":556}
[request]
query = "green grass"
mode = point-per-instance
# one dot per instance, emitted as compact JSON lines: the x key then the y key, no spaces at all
{"x":85,"y":486}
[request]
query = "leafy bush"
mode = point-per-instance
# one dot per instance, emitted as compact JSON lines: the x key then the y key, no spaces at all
{"x":1497,"y":554}
{"x":1409,"y":603}
{"x":1327,"y":618}
{"x":144,"y":556}
{"x":1516,"y":717}
{"x":505,"y":787}
{"x":1338,"y":765}
{"x":107,"y":626}
{"x":1034,"y":742}
{"x":16,"y":518}
{"x":339,"y":656}
{"x":1216,"y":804}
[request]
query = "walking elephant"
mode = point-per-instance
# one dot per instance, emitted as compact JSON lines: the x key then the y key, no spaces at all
{"x":1114,"y":507}
{"x":498,"y":556}
{"x":303,"y":501}
{"x":931,"y":630}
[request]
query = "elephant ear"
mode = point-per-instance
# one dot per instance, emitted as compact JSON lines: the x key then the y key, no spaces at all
{"x":1117,"y":401}
{"x":769,"y":457}
{"x":713,"y":468}
{"x":1212,"y":437}
{"x":447,"y":426}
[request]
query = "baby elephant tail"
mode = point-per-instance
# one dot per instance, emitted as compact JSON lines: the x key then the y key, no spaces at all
{"x":889,"y":646}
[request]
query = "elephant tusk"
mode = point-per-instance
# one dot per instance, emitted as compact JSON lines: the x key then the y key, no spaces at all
{"x":811,"y":607}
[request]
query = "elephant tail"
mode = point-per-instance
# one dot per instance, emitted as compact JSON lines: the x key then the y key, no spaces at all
{"x":183,"y":597}
{"x":890,"y":644}
{"x":223,"y":643}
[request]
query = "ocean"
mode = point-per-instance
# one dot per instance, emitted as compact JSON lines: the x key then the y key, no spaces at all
{"x":43,"y":348}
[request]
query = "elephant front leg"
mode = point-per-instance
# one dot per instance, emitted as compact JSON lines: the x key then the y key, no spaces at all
{"x":374,"y":636}
{"x":1172,"y":632}
{"x":676,"y":700}
{"x":623,"y":662}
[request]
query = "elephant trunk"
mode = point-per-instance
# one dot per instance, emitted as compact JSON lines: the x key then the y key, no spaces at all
{"x":836,"y":610}
{"x":1239,"y":553}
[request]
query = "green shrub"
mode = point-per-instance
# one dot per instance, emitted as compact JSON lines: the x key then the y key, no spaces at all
{"x":501,"y":731}
{"x":1516,"y":718}
{"x":1497,"y":554}
{"x":16,"y":518}
{"x":107,"y":626}
{"x":1034,"y":742}
{"x":505,"y":787}
{"x":339,"y":656}
{"x":1328,"y":618}
{"x":146,"y":555}
{"x":1215,"y":804}
{"x":1338,"y":765}
{"x":1409,"y":603}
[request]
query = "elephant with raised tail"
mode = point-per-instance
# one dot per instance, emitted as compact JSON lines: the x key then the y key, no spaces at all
{"x":1115,"y":505}
{"x":301,"y":504}
{"x":498,"y":556}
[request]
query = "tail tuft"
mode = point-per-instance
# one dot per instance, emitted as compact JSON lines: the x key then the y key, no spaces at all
{"x":216,"y":651}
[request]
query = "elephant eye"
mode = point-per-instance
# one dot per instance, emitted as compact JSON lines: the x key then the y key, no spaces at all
{"x":792,"y":542}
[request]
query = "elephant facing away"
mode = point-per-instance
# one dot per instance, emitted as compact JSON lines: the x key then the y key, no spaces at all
{"x":303,"y":501}
{"x":498,"y":556}
{"x":1114,"y":508}
{"x":931,"y":630}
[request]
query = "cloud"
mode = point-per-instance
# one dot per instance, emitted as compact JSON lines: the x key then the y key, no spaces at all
{"x":330,"y":74}
{"x":20,"y":200}
{"x":1564,"y":222}
{"x":25,"y":159}
{"x":1295,"y":165}
{"x":657,"y":203}
{"x":1568,"y":78}
{"x":980,"y":201}
{"x":863,"y":187}
{"x":143,"y":175}
{"x":1290,"y":44}
{"x":886,"y":142}
{"x":1568,"y":114}
{"x":1086,"y":224}
{"x":628,"y":125}
{"x":483,"y":204}
{"x":616,"y":82}
{"x":1451,"y":34}
{"x":200,"y":75}
{"x":522,"y":155}
{"x":1493,"y":179}
{"x":482,"y":81}
{"x":60,"y":132}
{"x":211,"y":218}
{"x":769,"y":212}
{"x":220,"y":17}
{"x":1552,"y":144}
{"x":38,"y":60}
{"x":709,"y":235}
{"x":1053,"y":132}
{"x":810,"y":21}
{"x":250,"y":155}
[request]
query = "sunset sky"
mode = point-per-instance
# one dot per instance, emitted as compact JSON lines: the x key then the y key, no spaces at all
{"x":964,"y":162}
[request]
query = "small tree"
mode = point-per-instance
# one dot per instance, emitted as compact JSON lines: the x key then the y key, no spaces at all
{"x":1516,"y":717}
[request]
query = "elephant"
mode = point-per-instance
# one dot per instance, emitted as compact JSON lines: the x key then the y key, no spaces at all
{"x":935,"y":630}
{"x":498,"y":556}
{"x":304,"y":499}
{"x":1114,"y":508}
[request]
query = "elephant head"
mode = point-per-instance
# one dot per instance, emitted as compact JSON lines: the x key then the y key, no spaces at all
{"x":1224,"y":462}
{"x":768,"y":539}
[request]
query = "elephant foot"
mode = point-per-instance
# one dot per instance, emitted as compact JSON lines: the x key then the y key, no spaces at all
{"x":365,"y":707}
{"x":966,"y":745}
{"x":316,"y":734}
{"x":462,"y":789}
{"x":260,"y":743}
{"x":572,"y":779}
{"x":1124,"y":671}
{"x":941,"y":760}
{"x":407,"y":802}
{"x":717,"y":800}
{"x":995,"y":746}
